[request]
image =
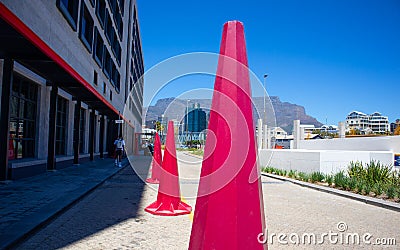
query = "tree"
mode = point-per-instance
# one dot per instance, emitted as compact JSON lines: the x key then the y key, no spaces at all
{"x":159,"y":126}
{"x":397,"y":130}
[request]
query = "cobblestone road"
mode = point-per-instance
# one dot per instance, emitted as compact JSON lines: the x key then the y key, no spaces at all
{"x":112,"y":217}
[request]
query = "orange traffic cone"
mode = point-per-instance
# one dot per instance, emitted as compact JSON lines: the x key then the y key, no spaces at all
{"x":229,"y":211}
{"x":168,"y":199}
{"x":156,"y":163}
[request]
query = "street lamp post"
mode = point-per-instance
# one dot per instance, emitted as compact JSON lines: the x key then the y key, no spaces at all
{"x":187,"y":118}
{"x":265,"y":89}
{"x":162,"y":126}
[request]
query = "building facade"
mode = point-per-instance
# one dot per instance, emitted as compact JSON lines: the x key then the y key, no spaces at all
{"x":375,"y":123}
{"x":196,"y":119}
{"x":68,"y":70}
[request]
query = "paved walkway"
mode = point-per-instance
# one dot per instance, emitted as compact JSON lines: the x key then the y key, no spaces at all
{"x":29,"y":202}
{"x":112,"y":216}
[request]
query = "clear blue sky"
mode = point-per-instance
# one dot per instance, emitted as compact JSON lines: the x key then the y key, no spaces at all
{"x":330,"y":56}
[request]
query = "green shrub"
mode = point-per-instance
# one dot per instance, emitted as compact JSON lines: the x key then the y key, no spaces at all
{"x":329,"y":179}
{"x":292,"y":174}
{"x":352,"y":183}
{"x":375,"y":172}
{"x":360,"y":185}
{"x":391,"y":191}
{"x":304,"y":177}
{"x":395,"y":178}
{"x":267,"y":169}
{"x":377,"y":189}
{"x":356,"y":170}
{"x":317,"y":177}
{"x":367,"y":188}
{"x":340,"y":179}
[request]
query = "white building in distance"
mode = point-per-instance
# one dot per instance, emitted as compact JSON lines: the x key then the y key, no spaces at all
{"x":375,"y":123}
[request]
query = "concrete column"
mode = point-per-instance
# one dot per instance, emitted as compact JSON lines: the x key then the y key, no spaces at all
{"x":101,"y":139}
{"x":92,"y":123}
{"x":259,"y":133}
{"x":265,"y":137}
{"x":302,"y":132}
{"x":296,"y":133}
{"x":51,"y":148}
{"x":269,"y":138}
{"x":342,"y":130}
{"x":5,"y":116}
{"x":77,"y":139}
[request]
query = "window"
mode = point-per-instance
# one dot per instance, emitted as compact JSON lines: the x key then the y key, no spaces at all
{"x":101,"y":12}
{"x":113,"y":5}
{"x":69,"y":8}
{"x":122,"y":5}
{"x":117,"y":51}
{"x":104,"y":88}
{"x":86,"y":29}
{"x":94,"y":77}
{"x":107,"y":64}
{"x":61,"y":125}
{"x":131,"y":68}
{"x":81,"y":130}
{"x":98,"y":48}
{"x":119,"y":25}
{"x":116,"y":78}
{"x":23,"y":106}
{"x":110,"y":95}
{"x":109,"y":28}
{"x":130,"y":85}
{"x":112,"y":75}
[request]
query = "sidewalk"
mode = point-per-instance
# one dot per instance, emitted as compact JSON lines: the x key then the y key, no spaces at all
{"x":28,"y":203}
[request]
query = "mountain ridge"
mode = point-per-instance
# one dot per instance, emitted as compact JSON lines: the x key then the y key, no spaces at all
{"x":284,"y":112}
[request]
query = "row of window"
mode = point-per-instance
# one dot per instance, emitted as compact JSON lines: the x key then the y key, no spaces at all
{"x":23,"y":119}
{"x":90,"y":35}
{"x":117,"y":12}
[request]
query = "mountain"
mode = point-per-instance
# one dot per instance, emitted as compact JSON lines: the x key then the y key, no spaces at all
{"x":284,"y":112}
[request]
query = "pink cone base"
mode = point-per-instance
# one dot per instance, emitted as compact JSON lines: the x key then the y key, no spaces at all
{"x":168,"y":209}
{"x":152,"y":181}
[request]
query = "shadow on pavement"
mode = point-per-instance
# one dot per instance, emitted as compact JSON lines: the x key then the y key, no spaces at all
{"x":113,"y":202}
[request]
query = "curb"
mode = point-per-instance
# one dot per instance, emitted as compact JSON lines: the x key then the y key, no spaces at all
{"x":368,"y":200}
{"x":189,"y":154}
{"x":13,"y":243}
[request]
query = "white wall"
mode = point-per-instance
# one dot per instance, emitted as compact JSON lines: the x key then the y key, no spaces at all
{"x":325,"y":161}
{"x":381,"y":143}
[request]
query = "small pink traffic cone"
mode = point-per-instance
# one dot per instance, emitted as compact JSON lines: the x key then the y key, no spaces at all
{"x":168,"y":199}
{"x":156,"y":163}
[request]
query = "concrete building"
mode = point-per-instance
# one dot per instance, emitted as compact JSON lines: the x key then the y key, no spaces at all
{"x":67,"y":69}
{"x":373,"y":123}
{"x":378,"y":123}
{"x":196,"y":119}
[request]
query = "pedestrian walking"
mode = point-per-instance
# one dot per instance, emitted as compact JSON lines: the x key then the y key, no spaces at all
{"x":119,"y":149}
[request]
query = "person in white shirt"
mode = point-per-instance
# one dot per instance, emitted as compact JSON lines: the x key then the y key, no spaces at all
{"x":119,"y":149}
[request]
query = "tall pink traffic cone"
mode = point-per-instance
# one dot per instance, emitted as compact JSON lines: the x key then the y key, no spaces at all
{"x":156,"y":163}
{"x":229,"y":211}
{"x":168,"y":199}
